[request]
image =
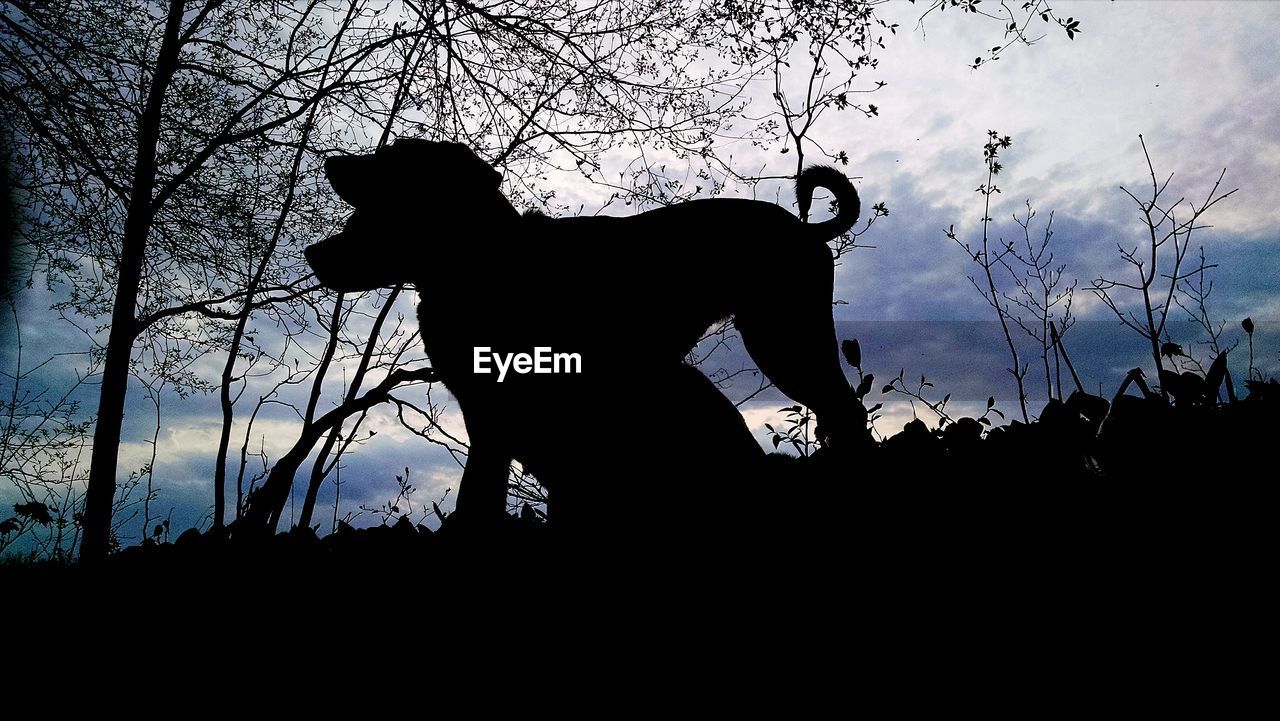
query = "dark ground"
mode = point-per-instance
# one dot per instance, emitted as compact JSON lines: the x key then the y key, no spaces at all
{"x":1164,"y":503}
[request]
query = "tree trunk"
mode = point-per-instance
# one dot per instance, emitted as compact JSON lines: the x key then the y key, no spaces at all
{"x":225,"y":402}
{"x":317,"y":478}
{"x":266,"y":505}
{"x":100,"y":494}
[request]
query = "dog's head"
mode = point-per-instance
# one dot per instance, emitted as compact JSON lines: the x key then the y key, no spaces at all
{"x":404,"y":195}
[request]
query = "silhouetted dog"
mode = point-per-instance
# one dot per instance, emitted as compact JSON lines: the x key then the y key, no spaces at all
{"x":630,"y":296}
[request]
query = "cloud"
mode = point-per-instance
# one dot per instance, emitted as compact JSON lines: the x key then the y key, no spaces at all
{"x":1193,"y":77}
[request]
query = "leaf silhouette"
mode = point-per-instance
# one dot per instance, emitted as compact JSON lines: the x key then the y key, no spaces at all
{"x":1213,"y":379}
{"x":34,"y":510}
{"x":852,"y":352}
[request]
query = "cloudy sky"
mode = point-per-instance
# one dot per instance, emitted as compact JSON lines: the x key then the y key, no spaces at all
{"x":1197,"y":79}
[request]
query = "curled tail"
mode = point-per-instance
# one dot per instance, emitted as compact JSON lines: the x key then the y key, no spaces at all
{"x":825,"y":176}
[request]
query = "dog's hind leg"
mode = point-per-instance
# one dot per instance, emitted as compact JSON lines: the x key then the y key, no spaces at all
{"x":803,"y":362}
{"x":795,"y":346}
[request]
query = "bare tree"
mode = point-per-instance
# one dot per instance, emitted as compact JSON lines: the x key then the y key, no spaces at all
{"x":1193,"y":299}
{"x":136,"y":120}
{"x":1017,"y":19}
{"x":1043,"y":294}
{"x":1158,"y":262}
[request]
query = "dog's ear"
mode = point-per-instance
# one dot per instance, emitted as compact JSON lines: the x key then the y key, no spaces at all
{"x":361,"y":179}
{"x":462,"y":161}
{"x":408,"y":164}
{"x":454,"y":162}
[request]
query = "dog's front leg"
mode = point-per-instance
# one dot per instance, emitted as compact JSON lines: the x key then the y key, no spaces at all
{"x":482,"y":493}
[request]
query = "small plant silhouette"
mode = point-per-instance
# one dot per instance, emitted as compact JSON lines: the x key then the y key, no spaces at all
{"x":1159,"y":261}
{"x":989,"y":260}
{"x":799,"y":430}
